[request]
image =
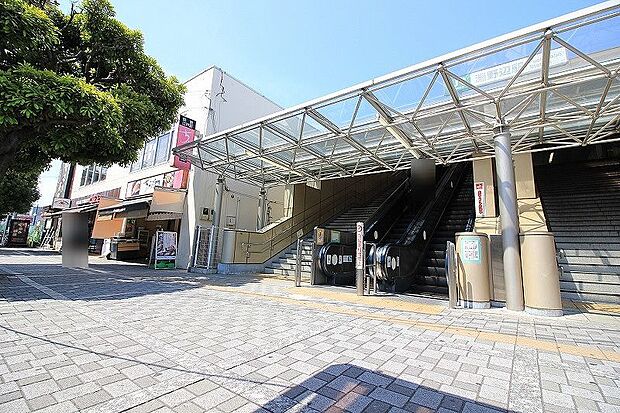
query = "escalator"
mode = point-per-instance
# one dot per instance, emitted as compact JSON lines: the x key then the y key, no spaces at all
{"x":430,"y":275}
{"x":411,"y":255}
{"x":336,"y":257}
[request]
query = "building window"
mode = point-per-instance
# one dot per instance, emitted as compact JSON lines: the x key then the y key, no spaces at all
{"x":163,"y":148}
{"x":92,"y":174}
{"x":149,"y":154}
{"x":156,"y":151}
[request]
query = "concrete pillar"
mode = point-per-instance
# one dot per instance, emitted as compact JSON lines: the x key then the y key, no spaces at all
{"x":217,"y":213}
{"x":262,"y":209}
{"x":509,"y":218}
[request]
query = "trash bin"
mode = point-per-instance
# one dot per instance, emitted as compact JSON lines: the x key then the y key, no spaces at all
{"x":473,"y":255}
{"x":541,"y":278}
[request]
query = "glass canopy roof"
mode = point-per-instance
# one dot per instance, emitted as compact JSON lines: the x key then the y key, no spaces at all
{"x":555,"y":85}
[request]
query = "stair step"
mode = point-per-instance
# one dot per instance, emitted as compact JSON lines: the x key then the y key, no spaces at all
{"x":581,"y":296}
{"x":590,"y":278}
{"x":572,"y":260}
{"x":282,"y":271}
{"x":602,"y":252}
{"x":592,"y":269}
{"x":590,"y":287}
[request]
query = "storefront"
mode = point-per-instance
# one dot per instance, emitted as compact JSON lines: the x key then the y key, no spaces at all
{"x":15,"y":232}
{"x":126,"y":228}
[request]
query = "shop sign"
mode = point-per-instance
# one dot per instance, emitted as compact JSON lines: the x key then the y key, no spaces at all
{"x":61,"y":203}
{"x":480,"y":198}
{"x":185,"y":134}
{"x":175,"y":179}
{"x":359,"y":248}
{"x":507,"y":71}
{"x":22,"y":217}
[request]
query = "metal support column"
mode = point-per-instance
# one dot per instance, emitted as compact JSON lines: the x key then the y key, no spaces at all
{"x":262,"y":209}
{"x":217,"y":213}
{"x":509,"y":218}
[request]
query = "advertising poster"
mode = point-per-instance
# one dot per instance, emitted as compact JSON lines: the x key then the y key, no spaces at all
{"x":470,"y":250}
{"x":165,"y":245}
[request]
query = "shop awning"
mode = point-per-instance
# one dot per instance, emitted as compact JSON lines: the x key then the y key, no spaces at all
{"x":129,"y":208}
{"x":162,"y":204}
{"x":555,"y":85}
{"x":74,"y":210}
{"x":106,"y":226}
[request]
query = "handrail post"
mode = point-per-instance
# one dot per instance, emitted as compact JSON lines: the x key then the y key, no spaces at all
{"x":451,"y":273}
{"x":298,"y":263}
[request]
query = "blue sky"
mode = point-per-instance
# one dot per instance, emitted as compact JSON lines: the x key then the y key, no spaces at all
{"x":293,"y":51}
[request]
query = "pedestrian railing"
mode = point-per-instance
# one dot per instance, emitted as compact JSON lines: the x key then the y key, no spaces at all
{"x":299,"y":260}
{"x":206,"y":238}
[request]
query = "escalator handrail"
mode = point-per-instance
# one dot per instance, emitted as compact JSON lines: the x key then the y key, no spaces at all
{"x":385,"y":206}
{"x":438,"y":195}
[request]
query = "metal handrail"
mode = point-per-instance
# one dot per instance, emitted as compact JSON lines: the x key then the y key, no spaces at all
{"x":385,"y":206}
{"x":289,"y":229}
{"x":422,"y":215}
{"x":374,"y":266}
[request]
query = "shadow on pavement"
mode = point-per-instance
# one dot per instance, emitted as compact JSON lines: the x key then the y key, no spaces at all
{"x":349,"y":388}
{"x":38,"y":274}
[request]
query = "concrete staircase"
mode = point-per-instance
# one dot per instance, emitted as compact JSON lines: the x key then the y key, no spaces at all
{"x":283,"y":266}
{"x":582,"y":207}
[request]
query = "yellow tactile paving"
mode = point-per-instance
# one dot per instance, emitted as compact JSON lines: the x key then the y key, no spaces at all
{"x":383,"y":302}
{"x":545,"y":345}
{"x":597,"y":308}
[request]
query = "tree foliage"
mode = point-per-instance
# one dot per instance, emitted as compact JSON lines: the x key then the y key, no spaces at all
{"x":18,"y":191}
{"x":76,"y":86}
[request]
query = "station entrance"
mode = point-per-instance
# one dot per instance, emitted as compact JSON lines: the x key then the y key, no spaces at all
{"x":485,"y":116}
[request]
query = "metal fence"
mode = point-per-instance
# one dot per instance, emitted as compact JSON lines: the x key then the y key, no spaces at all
{"x":206,"y":238}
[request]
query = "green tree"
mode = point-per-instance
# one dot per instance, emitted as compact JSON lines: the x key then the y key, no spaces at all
{"x":76,"y":86}
{"x":18,"y":191}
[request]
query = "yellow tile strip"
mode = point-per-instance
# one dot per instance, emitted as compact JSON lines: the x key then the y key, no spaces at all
{"x":545,"y":345}
{"x":594,"y":308}
{"x":380,"y":302}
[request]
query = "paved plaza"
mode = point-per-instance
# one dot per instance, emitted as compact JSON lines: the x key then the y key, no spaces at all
{"x":125,"y":338}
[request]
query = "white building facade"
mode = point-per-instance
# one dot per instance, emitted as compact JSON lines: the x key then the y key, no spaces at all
{"x":215,"y":101}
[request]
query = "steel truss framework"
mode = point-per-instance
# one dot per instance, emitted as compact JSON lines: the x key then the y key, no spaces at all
{"x":555,"y":84}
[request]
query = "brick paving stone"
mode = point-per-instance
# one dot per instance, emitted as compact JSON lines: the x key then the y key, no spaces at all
{"x":14,"y":406}
{"x":388,"y":396}
{"x":148,"y":407}
{"x":42,"y":402}
{"x":40,"y":388}
{"x":182,"y":345}
{"x":213,"y":398}
{"x":88,"y":400}
{"x":120,"y":388}
{"x":201,"y":387}
{"x":377,"y":406}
